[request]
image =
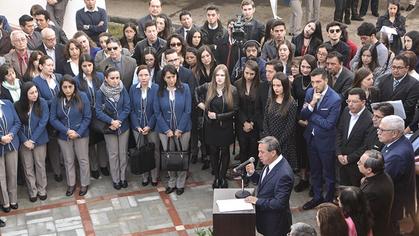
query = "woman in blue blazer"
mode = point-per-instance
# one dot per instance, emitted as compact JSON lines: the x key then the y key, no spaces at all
{"x":173,"y":110}
{"x":34,"y":114}
{"x":47,"y":83}
{"x":89,"y":81}
{"x":70,"y":116}
{"x":113,"y":108}
{"x":9,"y":145}
{"x":143,"y":119}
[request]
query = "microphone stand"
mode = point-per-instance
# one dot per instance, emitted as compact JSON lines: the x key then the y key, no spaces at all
{"x":242,"y":193}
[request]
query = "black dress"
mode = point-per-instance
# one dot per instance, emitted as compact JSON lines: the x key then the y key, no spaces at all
{"x":283,"y":129}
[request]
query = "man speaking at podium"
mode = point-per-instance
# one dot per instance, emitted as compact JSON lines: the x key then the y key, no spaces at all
{"x":275,"y":183}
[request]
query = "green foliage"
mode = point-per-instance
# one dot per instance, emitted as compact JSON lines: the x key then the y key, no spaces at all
{"x":115,"y":29}
{"x":204,"y":232}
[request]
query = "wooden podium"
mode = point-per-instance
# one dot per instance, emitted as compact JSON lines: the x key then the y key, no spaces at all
{"x":236,"y":223}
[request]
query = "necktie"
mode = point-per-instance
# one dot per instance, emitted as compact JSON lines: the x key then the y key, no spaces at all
{"x":334,"y":78}
{"x":186,"y":33}
{"x":395,"y":84}
{"x":320,"y":101}
{"x":265,"y":174}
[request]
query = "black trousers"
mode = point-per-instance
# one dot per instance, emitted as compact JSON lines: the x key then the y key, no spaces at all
{"x":220,"y":157}
{"x":364,"y":7}
{"x":248,"y":143}
{"x":351,"y":7}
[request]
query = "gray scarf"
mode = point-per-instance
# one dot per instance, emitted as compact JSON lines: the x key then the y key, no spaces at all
{"x":113,"y":93}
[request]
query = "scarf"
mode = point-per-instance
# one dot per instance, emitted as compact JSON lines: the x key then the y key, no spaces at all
{"x":113,"y":93}
{"x":13,"y":89}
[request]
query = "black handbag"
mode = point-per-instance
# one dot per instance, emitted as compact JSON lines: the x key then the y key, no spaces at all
{"x":177,"y":160}
{"x":100,"y":126}
{"x":142,"y":159}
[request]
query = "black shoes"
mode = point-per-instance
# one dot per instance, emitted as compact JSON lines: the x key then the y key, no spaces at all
{"x":95,"y":174}
{"x":169,"y":190}
{"x":145,"y":183}
{"x":83,"y":190}
{"x":58,"y":178}
{"x":14,"y":206}
{"x":180,"y":191}
{"x":2,"y":223}
{"x":6,"y":209}
{"x":206,"y":165}
{"x":124,"y":184}
{"x":154,"y":183}
{"x":43,"y":197}
{"x":347,"y":21}
{"x":194,"y":159}
{"x":375,"y":14}
{"x":116,"y":186}
{"x":215,"y":184}
{"x":105,"y":171}
{"x":301,"y":186}
{"x":410,"y":7}
{"x":312,"y":204}
{"x":223,"y":183}
{"x":357,"y":18}
{"x":70,"y":190}
{"x":33,"y":199}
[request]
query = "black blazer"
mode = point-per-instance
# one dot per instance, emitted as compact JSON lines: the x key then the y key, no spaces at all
{"x":59,"y":57}
{"x":379,"y":191}
{"x":67,"y":69}
{"x":407,"y":91}
{"x":343,"y":82}
{"x":299,"y":43}
{"x":273,"y":214}
{"x":356,"y":144}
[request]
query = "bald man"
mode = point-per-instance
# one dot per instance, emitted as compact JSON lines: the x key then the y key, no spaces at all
{"x":53,"y":49}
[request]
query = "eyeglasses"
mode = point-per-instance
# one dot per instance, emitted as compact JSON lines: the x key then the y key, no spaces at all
{"x":332,"y":31}
{"x":380,"y":130}
{"x":175,"y":44}
{"x":113,"y":48}
{"x":351,"y":101}
{"x":397,"y":67}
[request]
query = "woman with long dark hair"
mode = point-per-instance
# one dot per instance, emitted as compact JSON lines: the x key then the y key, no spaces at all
{"x":191,"y":58}
{"x":33,"y":69}
{"x":364,"y":79}
{"x":356,"y":210}
{"x":369,"y":60}
{"x":220,"y":103}
{"x":34,"y":114}
{"x":194,"y":38}
{"x":285,"y":56}
{"x":143,"y":95}
{"x":129,"y":36}
{"x":299,"y":87}
{"x":89,"y":81}
{"x":309,"y":39}
{"x":70,"y":116}
{"x":280,"y":117}
{"x":173,"y":112}
{"x":393,"y":19}
{"x":72,"y":53}
{"x":248,"y":117}
{"x":411,"y":43}
{"x":164,"y":26}
{"x":113,"y":107}
{"x":150,"y":58}
{"x":10,"y":85}
{"x":206,"y":65}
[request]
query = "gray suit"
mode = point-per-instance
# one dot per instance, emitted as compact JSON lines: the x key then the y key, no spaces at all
{"x":12,"y":59}
{"x":127,"y":71}
{"x":34,"y":41}
{"x":57,"y":12}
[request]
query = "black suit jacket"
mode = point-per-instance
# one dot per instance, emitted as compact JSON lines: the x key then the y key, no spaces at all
{"x":379,"y":191}
{"x":185,"y":75}
{"x":59,"y":57}
{"x":273,"y":214}
{"x":412,"y":139}
{"x":343,"y":82}
{"x":407,"y":91}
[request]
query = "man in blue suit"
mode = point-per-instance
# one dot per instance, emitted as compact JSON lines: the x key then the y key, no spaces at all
{"x":321,"y":109}
{"x":399,"y":163}
{"x":273,"y":214}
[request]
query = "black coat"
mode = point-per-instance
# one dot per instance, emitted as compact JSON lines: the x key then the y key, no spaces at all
{"x":343,"y":82}
{"x":59,"y":57}
{"x":249,"y":108}
{"x":299,"y":43}
{"x":379,"y":191}
{"x":399,"y":24}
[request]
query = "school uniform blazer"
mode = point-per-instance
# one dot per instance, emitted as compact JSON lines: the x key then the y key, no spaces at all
{"x":273,"y":214}
{"x":9,"y":124}
{"x":120,"y":110}
{"x":83,"y":86}
{"x":182,"y":110}
{"x":36,"y":130}
{"x":137,"y":116}
{"x":75,"y":119}
{"x":322,"y":120}
{"x":44,"y":89}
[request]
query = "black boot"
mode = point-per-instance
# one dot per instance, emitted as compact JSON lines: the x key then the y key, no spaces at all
{"x":216,"y":183}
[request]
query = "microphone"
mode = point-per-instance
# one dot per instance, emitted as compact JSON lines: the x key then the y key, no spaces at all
{"x":251,"y":160}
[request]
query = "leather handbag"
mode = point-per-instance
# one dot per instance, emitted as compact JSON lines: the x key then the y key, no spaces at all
{"x":177,"y":160}
{"x":142,"y":158}
{"x":100,"y":126}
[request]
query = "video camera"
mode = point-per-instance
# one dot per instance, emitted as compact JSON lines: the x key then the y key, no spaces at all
{"x":238,"y":32}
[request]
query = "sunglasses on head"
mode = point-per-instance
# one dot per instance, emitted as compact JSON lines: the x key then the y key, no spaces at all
{"x":332,"y":31}
{"x":175,"y":44}
{"x":113,"y":48}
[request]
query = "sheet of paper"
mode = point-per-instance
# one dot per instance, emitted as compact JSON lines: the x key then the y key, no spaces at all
{"x":398,"y":108}
{"x":233,"y":205}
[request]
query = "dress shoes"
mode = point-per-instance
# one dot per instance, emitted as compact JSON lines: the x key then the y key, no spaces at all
{"x":58,"y":178}
{"x":180,"y":191}
{"x":2,"y":223}
{"x":154,"y":183}
{"x":223,"y":183}
{"x":70,"y":190}
{"x":169,"y":190}
{"x":216,"y":184}
{"x":124,"y":184}
{"x":33,"y":199}
{"x":116,"y":186}
{"x":104,"y":171}
{"x":95,"y":174}
{"x":357,"y":18}
{"x":301,"y":186}
{"x":145,"y":183}
{"x":312,"y":204}
{"x":410,"y":7}
{"x":194,"y":159}
{"x":14,"y":206}
{"x":347,"y":21}
{"x":43,"y":197}
{"x":83,"y":190}
{"x":375,"y":14}
{"x":6,"y":209}
{"x":206,"y":165}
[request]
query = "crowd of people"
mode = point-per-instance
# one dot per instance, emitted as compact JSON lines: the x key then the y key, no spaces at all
{"x":328,"y":103}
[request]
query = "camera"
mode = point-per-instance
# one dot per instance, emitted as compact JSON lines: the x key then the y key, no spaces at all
{"x":238,"y":31}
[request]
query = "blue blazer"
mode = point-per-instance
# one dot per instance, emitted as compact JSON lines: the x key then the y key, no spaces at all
{"x":399,"y":162}
{"x":82,"y":86}
{"x":36,"y":130}
{"x":44,"y":90}
{"x":182,"y":111}
{"x":74,"y":119}
{"x":322,"y":121}
{"x":10,"y":123}
{"x":138,"y":119}
{"x":120,"y":110}
{"x":273,"y":214}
